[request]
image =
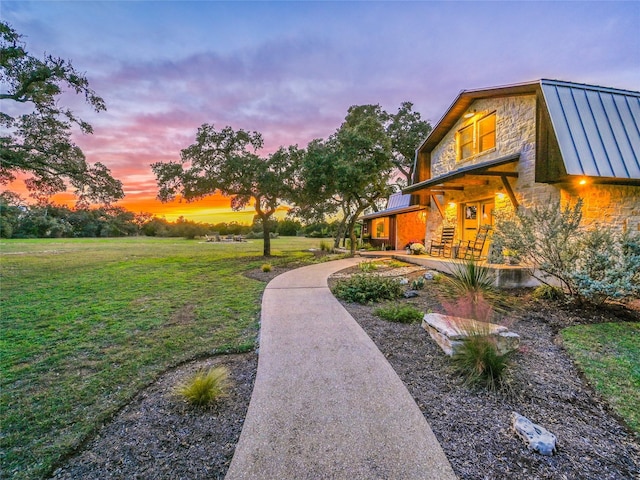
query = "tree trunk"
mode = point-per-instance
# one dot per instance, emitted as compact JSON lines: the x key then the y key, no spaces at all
{"x":266,"y":251}
{"x":352,"y":229}
{"x":340,"y":233}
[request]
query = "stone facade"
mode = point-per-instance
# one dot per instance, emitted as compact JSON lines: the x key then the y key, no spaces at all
{"x":617,"y":206}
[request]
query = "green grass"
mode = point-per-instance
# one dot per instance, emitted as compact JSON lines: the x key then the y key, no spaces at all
{"x":609,"y":356}
{"x":87,"y":323}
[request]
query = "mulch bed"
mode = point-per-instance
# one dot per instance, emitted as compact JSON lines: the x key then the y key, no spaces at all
{"x":158,"y":436}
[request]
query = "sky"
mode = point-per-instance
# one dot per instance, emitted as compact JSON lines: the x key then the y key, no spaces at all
{"x":290,"y":70}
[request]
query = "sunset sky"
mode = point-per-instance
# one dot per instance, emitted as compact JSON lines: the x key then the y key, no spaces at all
{"x":290,"y":70}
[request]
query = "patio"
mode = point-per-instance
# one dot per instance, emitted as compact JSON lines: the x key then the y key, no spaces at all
{"x":507,"y":276}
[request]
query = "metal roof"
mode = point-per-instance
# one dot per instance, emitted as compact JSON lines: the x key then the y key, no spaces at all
{"x":598,"y":128}
{"x":397,"y":203}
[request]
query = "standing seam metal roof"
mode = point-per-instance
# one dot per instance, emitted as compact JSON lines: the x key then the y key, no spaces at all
{"x":598,"y":128}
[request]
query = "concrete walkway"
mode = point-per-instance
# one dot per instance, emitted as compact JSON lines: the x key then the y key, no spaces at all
{"x":326,"y":403}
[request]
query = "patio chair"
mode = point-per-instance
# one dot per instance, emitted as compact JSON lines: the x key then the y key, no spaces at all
{"x":443,"y":247}
{"x":473,"y":248}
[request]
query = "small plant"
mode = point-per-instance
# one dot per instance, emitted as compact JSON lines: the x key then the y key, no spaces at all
{"x":266,"y":267}
{"x":399,"y":313}
{"x":472,"y":281}
{"x":368,"y":266}
{"x":325,"y":246}
{"x":367,"y":288}
{"x":205,"y":386}
{"x":418,"y":283}
{"x":396,"y":264}
{"x":548,"y":292}
{"x":480,"y":363}
{"x":417,"y":248}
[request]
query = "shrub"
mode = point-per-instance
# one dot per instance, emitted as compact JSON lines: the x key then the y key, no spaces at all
{"x":595,"y":265}
{"x":417,"y":249}
{"x":367,"y":288}
{"x":472,"y":282}
{"x":608,"y":266}
{"x":418,"y":283}
{"x":367,"y":266}
{"x":266,"y":267}
{"x":548,"y":292}
{"x":399,"y":313}
{"x":325,"y":246}
{"x":480,"y":364}
{"x":205,"y":386}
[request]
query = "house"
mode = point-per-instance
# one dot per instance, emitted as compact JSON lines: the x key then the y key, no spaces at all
{"x":531,"y":144}
{"x":396,"y":225}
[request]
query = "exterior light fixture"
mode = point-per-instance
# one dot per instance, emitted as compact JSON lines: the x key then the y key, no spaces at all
{"x":452,"y":204}
{"x":500,"y":195}
{"x":583,"y":181}
{"x":469,"y":114}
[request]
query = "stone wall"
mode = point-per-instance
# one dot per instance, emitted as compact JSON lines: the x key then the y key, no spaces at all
{"x":615,"y":205}
{"x":618,"y":206}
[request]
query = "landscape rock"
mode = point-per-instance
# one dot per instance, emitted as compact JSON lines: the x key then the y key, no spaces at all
{"x":537,"y":438}
{"x":450,"y":332}
{"x":411,"y":294}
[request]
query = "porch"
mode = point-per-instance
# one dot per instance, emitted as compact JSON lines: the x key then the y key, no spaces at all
{"x":507,"y":276}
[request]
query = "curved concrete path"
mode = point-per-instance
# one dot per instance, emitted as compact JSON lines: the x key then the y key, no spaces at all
{"x":326,"y":403}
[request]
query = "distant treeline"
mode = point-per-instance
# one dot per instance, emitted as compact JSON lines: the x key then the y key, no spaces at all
{"x":58,"y":221}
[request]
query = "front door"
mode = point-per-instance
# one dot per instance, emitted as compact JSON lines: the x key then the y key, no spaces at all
{"x":475,"y":214}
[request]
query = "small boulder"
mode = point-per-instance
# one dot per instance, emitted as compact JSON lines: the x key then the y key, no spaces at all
{"x":537,"y":438}
{"x":411,"y":294}
{"x":403,"y":281}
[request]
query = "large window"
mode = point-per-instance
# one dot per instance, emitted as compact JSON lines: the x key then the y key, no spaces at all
{"x":477,"y":137}
{"x":380,"y":228}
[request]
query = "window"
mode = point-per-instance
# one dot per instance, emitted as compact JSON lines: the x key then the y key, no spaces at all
{"x":477,"y":137}
{"x":380,"y":228}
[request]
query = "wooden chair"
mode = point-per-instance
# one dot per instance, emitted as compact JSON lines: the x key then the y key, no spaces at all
{"x":446,"y":242}
{"x":473,"y":249}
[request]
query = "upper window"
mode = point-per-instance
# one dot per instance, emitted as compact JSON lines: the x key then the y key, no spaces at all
{"x":477,"y":137}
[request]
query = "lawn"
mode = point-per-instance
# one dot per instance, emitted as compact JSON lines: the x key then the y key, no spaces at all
{"x":609,"y":356}
{"x":87,"y":323}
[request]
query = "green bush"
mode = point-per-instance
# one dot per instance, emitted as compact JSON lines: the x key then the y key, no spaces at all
{"x":399,"y":313}
{"x":367,"y":288}
{"x":205,"y":386}
{"x":367,"y":266}
{"x":548,"y":292}
{"x":594,"y":265}
{"x":266,"y":267}
{"x":480,"y":363}
{"x":474,"y":284}
{"x":418,"y":283}
{"x":325,"y":246}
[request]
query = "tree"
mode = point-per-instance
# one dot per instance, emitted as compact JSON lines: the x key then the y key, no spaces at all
{"x":225,"y":161}
{"x":37,"y":142}
{"x":407,"y":131}
{"x":349,"y":172}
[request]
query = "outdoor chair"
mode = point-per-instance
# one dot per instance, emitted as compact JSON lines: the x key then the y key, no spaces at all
{"x":473,"y":248}
{"x":443,"y":247}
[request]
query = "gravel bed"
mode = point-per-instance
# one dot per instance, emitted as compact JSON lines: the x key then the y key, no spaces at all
{"x":473,"y":426}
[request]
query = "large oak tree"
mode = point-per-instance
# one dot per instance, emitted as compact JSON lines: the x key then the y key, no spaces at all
{"x":36,"y":140}
{"x":349,"y":172}
{"x":226,"y":161}
{"x":407,"y":131}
